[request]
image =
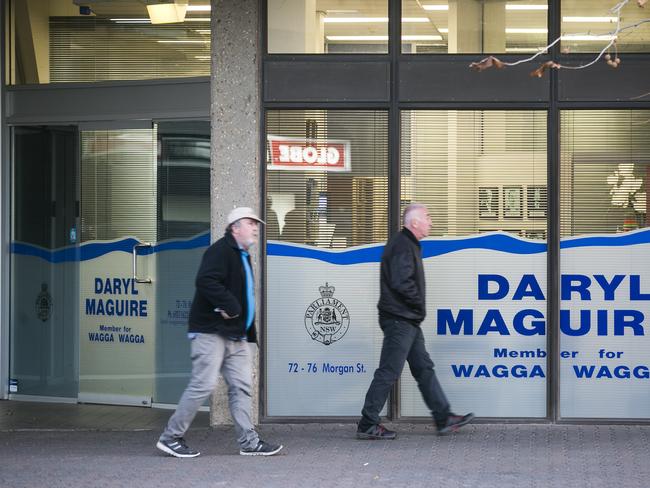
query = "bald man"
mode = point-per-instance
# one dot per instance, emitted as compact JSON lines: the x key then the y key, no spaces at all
{"x":402,"y":309}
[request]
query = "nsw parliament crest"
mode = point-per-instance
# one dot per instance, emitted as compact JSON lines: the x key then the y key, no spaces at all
{"x":43,"y":303}
{"x":327,"y":319}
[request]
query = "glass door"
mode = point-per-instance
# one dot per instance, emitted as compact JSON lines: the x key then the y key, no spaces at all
{"x":116,"y":271}
{"x":109,"y":226}
{"x":144,"y":225}
{"x":183,"y":232}
{"x":44,"y":268}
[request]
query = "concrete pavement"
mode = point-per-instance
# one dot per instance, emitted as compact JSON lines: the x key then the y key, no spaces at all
{"x":328,"y":455}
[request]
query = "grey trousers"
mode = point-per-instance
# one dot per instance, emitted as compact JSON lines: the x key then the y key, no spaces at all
{"x":212,"y":355}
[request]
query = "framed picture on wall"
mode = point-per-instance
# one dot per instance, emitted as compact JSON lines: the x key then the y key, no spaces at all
{"x":488,"y":202}
{"x":536,"y":201}
{"x":512,"y":202}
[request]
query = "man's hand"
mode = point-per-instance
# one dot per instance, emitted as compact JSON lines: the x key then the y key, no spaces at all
{"x":226,"y":316}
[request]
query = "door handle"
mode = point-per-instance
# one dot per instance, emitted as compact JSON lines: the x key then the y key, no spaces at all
{"x":135,"y":262}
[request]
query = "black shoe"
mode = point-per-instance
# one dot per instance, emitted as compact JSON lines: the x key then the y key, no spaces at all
{"x":177,"y":448}
{"x":453,"y":423}
{"x":262,"y":449}
{"x":376,"y":432}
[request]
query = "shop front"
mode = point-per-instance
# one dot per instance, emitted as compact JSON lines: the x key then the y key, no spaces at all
{"x":537,"y":286}
{"x":538,"y":282}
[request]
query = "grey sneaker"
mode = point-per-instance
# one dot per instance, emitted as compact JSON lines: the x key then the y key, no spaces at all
{"x":262,"y":449}
{"x":376,"y":432}
{"x":454,"y":422}
{"x":177,"y":448}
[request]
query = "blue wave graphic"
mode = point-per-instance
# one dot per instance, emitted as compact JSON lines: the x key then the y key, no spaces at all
{"x":372,"y":254}
{"x":353,"y":256}
{"x":94,"y":250}
{"x":430,"y":248}
{"x":501,"y":242}
{"x":624,"y":239}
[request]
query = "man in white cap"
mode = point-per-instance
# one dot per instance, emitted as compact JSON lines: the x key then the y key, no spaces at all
{"x":221,"y":324}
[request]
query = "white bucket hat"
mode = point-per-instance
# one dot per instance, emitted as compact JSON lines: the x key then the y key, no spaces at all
{"x":243,"y":213}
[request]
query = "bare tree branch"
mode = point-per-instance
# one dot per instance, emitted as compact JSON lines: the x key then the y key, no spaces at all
{"x":492,"y":61}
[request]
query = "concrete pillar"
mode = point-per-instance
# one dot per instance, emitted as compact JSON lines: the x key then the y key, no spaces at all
{"x":235,"y":155}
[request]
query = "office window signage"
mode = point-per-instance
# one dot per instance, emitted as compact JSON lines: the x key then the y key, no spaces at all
{"x":294,"y":154}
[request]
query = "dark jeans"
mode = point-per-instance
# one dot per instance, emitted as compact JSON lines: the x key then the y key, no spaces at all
{"x":403,"y":342}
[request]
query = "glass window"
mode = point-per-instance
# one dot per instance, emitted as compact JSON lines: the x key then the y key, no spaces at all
{"x":588,"y":26}
{"x":327,"y":26}
{"x":605,"y":278}
{"x":327,"y":220}
{"x":473,"y":26}
{"x":482,"y":174}
{"x":56,"y":41}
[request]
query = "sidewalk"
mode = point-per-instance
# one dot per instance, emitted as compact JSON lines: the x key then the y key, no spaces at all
{"x":328,"y":455}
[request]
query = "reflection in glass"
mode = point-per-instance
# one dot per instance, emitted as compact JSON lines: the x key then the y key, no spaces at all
{"x":588,"y":26}
{"x":605,"y":171}
{"x":57,"y":41}
{"x":476,"y":170}
{"x":604,"y":221}
{"x":327,"y":177}
{"x":472,"y":169}
{"x":44,"y":291}
{"x":473,"y":26}
{"x":183,"y":216}
{"x":327,"y":187}
{"x":327,"y":26}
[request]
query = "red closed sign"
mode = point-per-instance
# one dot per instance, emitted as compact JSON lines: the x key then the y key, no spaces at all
{"x":288,"y":153}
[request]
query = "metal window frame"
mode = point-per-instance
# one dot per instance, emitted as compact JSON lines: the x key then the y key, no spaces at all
{"x":5,"y":217}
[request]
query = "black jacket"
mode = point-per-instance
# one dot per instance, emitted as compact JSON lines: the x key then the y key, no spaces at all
{"x":221,"y":283}
{"x":402,"y":279}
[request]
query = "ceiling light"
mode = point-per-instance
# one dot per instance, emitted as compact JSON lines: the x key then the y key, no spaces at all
{"x":524,"y":49}
{"x":515,"y":6}
{"x":435,"y":7}
{"x":585,"y":37}
{"x":384,"y":38}
{"x":167,"y":12}
{"x":422,"y":38}
{"x":443,"y":30}
{"x":357,"y":38}
{"x":198,"y":8}
{"x":366,"y":20}
{"x":185,"y":41}
{"x":354,"y":20}
{"x":526,"y":30}
{"x":202,"y":57}
{"x":131,"y":21}
{"x":197,"y":19}
{"x":608,"y":20}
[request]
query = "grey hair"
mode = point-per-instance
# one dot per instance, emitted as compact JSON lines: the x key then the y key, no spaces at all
{"x":409,"y":212}
{"x":236,"y":224}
